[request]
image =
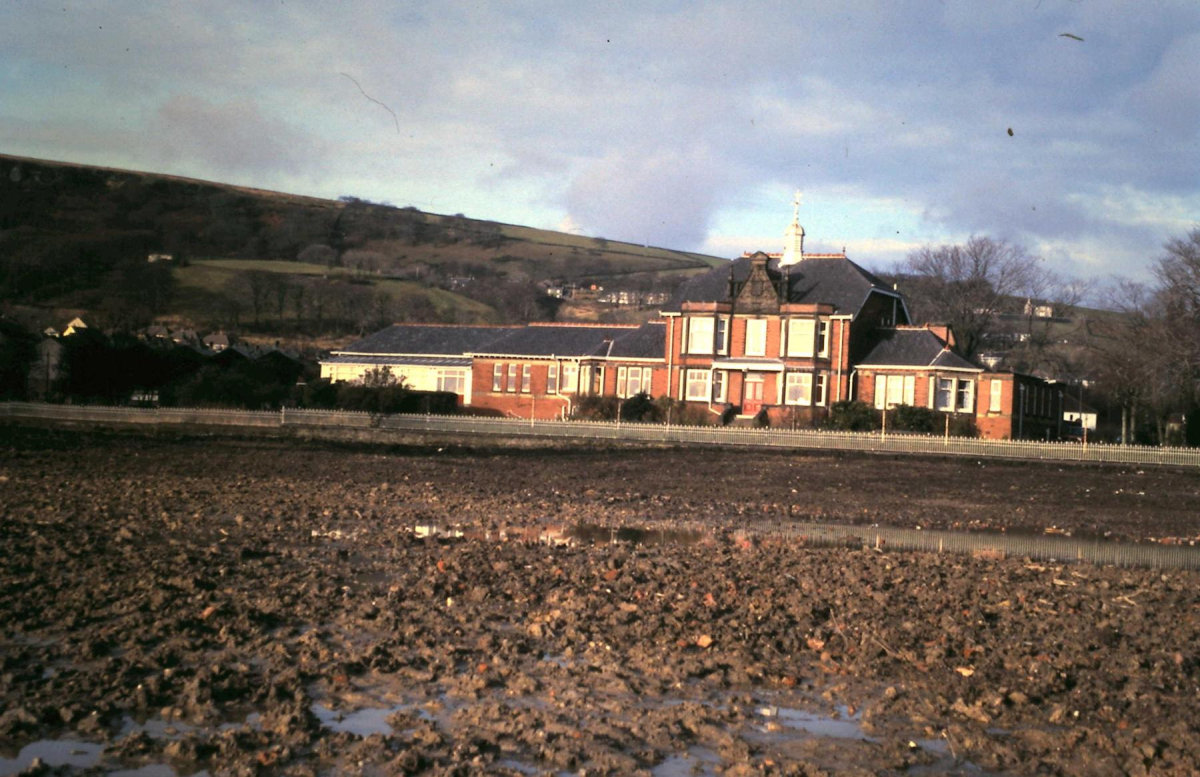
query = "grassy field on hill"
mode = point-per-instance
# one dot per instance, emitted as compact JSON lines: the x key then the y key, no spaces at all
{"x":68,"y":231}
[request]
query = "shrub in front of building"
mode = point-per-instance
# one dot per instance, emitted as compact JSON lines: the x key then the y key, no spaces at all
{"x":850,"y":415}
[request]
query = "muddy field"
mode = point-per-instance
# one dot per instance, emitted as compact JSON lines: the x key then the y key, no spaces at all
{"x":173,"y":606}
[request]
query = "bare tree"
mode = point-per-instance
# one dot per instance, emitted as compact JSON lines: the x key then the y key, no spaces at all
{"x":967,"y":285}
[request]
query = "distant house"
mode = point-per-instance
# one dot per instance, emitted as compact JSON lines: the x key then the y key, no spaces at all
{"x":153,"y":258}
{"x":76,"y":325}
{"x":1076,"y":411}
{"x":1038,"y":309}
{"x":216,"y":342}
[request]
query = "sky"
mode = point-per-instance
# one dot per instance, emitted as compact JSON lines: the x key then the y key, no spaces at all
{"x":687,"y":125}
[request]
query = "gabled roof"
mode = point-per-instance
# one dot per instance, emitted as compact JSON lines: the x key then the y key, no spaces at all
{"x":427,"y":340}
{"x":556,"y":340}
{"x":914,"y":348}
{"x":833,"y":280}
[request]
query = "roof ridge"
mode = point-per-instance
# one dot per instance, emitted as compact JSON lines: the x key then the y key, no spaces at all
{"x":582,"y":325}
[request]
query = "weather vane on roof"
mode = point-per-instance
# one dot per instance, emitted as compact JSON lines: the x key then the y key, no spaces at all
{"x":797,"y":202}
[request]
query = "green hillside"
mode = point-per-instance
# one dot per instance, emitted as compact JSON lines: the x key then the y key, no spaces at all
{"x":77,"y":237}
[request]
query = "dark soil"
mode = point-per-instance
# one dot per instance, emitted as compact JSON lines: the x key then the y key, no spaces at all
{"x":266,"y":607}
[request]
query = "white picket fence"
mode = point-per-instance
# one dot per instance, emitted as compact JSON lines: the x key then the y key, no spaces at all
{"x":808,"y":439}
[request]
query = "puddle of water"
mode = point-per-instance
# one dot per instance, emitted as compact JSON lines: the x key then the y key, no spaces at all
{"x":53,"y":752}
{"x":696,"y":761}
{"x":845,"y":727}
{"x":364,"y":722}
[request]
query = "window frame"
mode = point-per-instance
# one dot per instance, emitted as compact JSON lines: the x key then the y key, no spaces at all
{"x":760,"y":327}
{"x":498,"y":377}
{"x":700,"y":378}
{"x":964,"y":396}
{"x":996,"y":396}
{"x":721,"y":332}
{"x":526,"y":378}
{"x":800,"y":334}
{"x":803,"y":383}
{"x":822,"y":338}
{"x":511,"y":386}
{"x":552,"y":378}
{"x":700,"y":331}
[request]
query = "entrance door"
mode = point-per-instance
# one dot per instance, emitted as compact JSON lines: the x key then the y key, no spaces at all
{"x":752,"y":396}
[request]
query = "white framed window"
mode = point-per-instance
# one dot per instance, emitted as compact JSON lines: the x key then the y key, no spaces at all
{"x":966,"y":395}
{"x":800,"y":336}
{"x":552,"y":379}
{"x":819,"y":389}
{"x":722,"y":335}
{"x":822,"y":338}
{"x":756,"y":337}
{"x":638,"y":381}
{"x":697,"y":385}
{"x":700,"y":335}
{"x":622,"y":378}
{"x":570,"y":378}
{"x":944,"y":400}
{"x":718,"y":386}
{"x":498,"y":377}
{"x":892,"y":390}
{"x":648,"y":380}
{"x":512,"y":377}
{"x":994,"y":401}
{"x":798,"y":388}
{"x":526,"y":378}
{"x":452,"y":380}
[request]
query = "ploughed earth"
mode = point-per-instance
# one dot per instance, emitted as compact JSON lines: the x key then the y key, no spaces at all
{"x":174,"y":606}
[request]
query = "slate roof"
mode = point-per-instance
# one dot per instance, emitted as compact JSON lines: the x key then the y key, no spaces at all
{"x":913,"y":348}
{"x":646,"y":342}
{"x":427,"y":340}
{"x":836,"y":281}
{"x":555,"y":340}
{"x":422,"y":361}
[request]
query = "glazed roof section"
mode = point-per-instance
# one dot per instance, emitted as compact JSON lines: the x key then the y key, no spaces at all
{"x":913,"y":348}
{"x":833,"y":280}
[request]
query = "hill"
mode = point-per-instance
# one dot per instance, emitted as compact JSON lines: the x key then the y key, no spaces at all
{"x":78,"y":237}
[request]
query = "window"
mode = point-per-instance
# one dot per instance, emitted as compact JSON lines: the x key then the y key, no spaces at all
{"x":892,"y":390}
{"x":526,"y":375}
{"x":994,"y":402}
{"x":552,"y":379}
{"x":966,"y":396}
{"x":798,"y":389}
{"x":622,"y":378}
{"x":512,"y":377}
{"x":639,"y":381}
{"x":498,"y":377}
{"x":718,"y":386}
{"x":697,"y":385}
{"x":823,"y":338}
{"x":756,"y":337}
{"x":820,"y":390}
{"x":722,"y":335}
{"x":800,"y":337}
{"x":700,"y":335}
{"x":945,"y":394}
{"x":570,"y":378}
{"x":452,"y":380}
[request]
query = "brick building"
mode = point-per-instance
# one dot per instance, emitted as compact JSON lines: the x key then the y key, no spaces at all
{"x":780,"y":337}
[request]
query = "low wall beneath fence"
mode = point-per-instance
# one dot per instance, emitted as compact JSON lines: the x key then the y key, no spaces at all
{"x":385,"y":428}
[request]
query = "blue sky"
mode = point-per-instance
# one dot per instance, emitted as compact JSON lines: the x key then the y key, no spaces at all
{"x":686,"y":125}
